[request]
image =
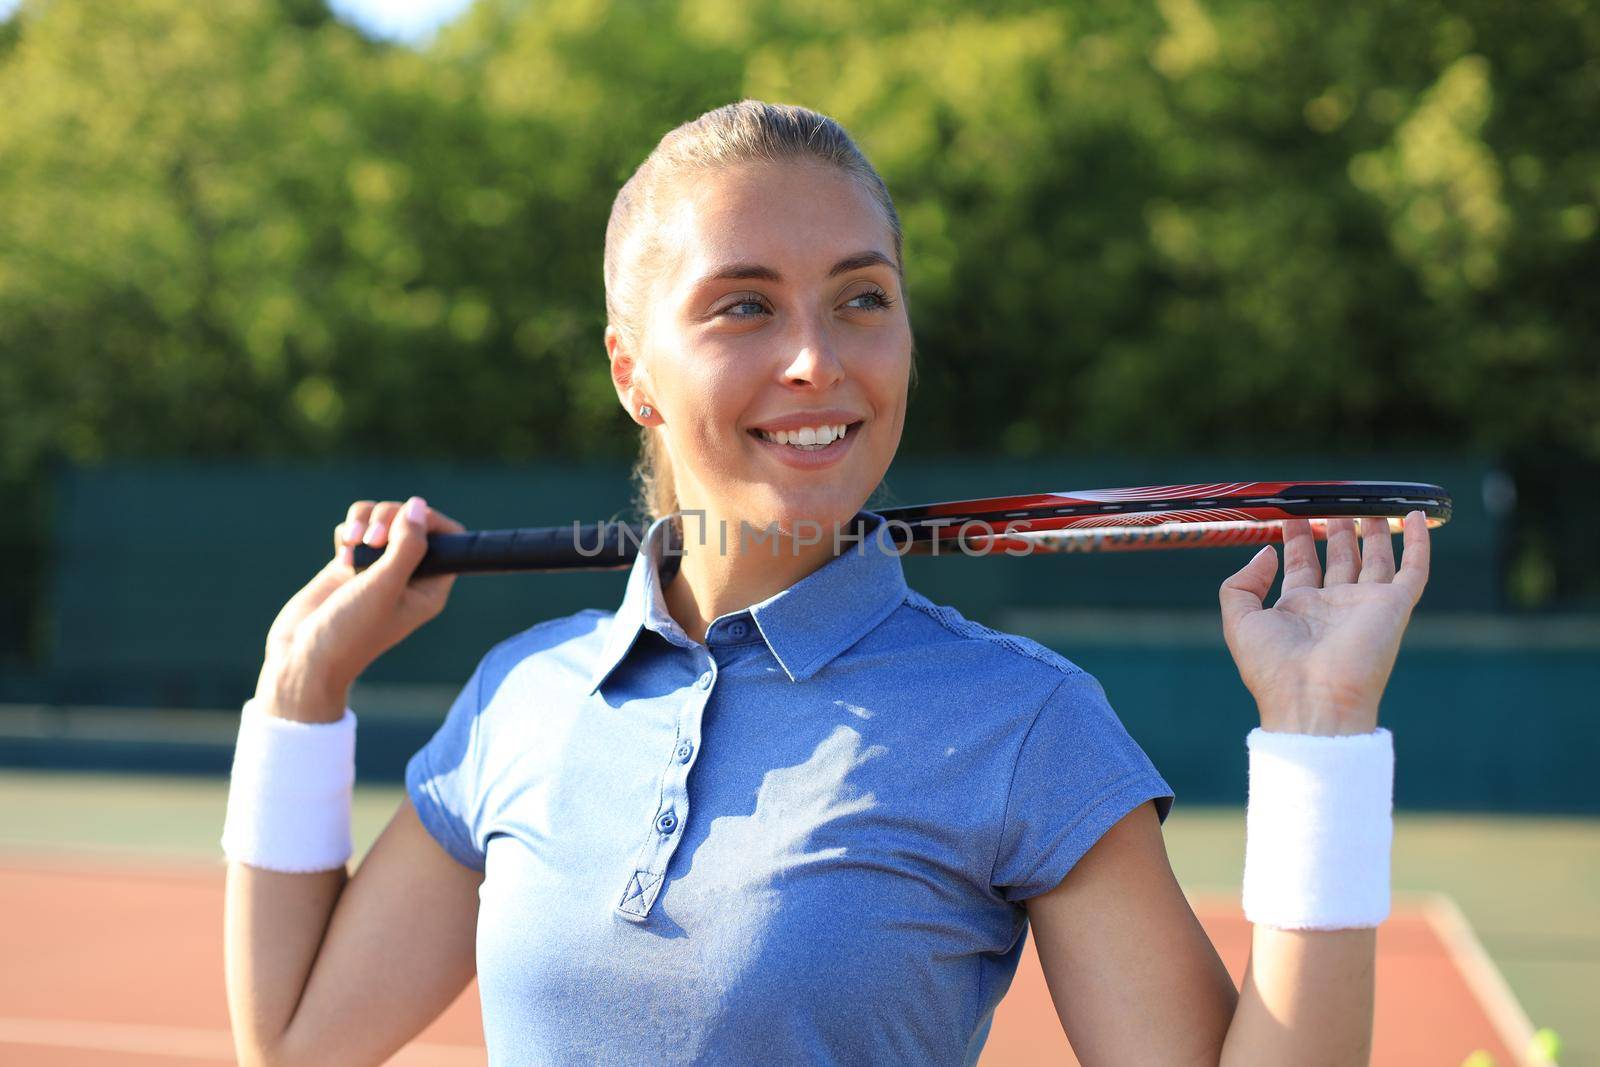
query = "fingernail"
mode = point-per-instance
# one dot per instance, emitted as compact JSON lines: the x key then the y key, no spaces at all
{"x":373,"y":533}
{"x":417,"y":510}
{"x":353,"y":532}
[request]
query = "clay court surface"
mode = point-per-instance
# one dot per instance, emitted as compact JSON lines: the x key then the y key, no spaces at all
{"x":114,"y":954}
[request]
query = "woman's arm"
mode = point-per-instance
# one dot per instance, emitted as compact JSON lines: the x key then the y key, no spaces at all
{"x":1133,"y":976}
{"x":326,"y":967}
{"x":322,"y":968}
{"x":273,"y":925}
{"x":1307,"y":998}
{"x":1135,"y":979}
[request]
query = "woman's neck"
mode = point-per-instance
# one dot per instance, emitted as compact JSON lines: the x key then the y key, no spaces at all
{"x":713,"y":581}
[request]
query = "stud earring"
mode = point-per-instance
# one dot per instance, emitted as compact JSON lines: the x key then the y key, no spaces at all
{"x":645,"y":411}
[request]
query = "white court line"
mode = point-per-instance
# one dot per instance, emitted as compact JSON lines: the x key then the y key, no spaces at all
{"x":1484,"y":980}
{"x":1510,"y":1020}
{"x":192,"y":1043}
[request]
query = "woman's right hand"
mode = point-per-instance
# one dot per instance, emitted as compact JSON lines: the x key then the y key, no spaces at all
{"x":341,"y":621}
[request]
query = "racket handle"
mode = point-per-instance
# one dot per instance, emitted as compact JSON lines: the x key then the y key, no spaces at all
{"x":591,"y":546}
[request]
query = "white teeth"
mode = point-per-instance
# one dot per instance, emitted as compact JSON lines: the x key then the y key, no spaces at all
{"x":807,"y":437}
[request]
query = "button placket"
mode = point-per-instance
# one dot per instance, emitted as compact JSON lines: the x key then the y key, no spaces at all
{"x":666,"y":829}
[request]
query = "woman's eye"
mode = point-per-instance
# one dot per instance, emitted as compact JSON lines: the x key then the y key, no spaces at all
{"x":879,"y":297}
{"x":751,"y":302}
{"x":879,"y":301}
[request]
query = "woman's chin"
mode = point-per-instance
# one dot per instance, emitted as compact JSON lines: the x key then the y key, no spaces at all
{"x":807,"y":518}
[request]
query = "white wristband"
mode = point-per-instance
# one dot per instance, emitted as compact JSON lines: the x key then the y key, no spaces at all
{"x":290,"y":792}
{"x":1318,"y":828}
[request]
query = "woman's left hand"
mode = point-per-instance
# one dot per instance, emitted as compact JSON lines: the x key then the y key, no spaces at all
{"x":1318,"y":659}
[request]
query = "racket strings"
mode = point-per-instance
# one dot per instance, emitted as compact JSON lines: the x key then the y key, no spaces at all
{"x":1084,"y":537}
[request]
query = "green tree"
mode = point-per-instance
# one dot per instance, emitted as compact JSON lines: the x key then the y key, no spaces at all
{"x":244,"y":229}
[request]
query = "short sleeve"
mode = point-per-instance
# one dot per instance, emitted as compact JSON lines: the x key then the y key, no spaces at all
{"x":443,"y":776}
{"x":1078,"y":772}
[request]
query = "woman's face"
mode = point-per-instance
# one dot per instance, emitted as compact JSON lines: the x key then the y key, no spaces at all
{"x":777,"y":320}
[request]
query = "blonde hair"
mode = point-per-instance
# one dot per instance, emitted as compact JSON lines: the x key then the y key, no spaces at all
{"x":750,"y":131}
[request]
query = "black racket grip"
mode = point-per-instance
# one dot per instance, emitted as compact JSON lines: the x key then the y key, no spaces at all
{"x":606,"y":546}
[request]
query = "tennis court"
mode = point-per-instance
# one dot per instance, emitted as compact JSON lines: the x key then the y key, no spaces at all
{"x":112,"y":888}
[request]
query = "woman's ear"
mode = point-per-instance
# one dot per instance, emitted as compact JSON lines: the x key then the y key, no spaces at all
{"x":629,"y":380}
{"x":621,"y":360}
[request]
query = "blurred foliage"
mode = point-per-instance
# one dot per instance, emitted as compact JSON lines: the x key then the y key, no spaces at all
{"x":244,"y":229}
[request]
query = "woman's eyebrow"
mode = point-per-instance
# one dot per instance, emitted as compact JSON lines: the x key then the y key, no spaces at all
{"x":756,"y":270}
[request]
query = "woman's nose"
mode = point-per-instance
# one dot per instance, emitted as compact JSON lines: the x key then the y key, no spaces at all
{"x":814,"y":363}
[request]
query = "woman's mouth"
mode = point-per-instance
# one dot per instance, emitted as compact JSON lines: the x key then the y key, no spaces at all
{"x":807,"y":438}
{"x":809,"y":447}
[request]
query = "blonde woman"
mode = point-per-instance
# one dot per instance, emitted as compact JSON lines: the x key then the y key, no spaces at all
{"x":777,"y":807}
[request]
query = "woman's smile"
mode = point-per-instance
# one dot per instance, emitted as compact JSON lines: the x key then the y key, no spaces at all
{"x":808,"y":440}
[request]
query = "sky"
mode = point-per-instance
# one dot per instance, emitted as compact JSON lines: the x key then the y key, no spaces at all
{"x":395,"y":20}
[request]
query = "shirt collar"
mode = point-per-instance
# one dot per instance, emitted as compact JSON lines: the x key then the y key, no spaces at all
{"x":804,"y":626}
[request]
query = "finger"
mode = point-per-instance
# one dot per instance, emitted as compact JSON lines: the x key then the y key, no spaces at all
{"x":391,"y":525}
{"x":439,"y":522}
{"x":1416,"y":555}
{"x":418,"y":599}
{"x":406,"y":539}
{"x":355,"y":520}
{"x":1245,"y":589}
{"x":377,"y":534}
{"x":343,"y":554}
{"x":1301,"y":570}
{"x":1344,"y":553}
{"x":1377,"y":551}
{"x":436,"y":586}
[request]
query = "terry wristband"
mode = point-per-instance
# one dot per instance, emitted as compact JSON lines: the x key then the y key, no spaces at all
{"x":290,"y":791}
{"x":1318,"y":828}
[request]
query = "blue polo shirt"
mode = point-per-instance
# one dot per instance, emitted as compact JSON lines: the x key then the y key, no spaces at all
{"x":805,"y":841}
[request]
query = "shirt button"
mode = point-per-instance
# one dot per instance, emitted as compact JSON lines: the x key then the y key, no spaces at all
{"x":685,"y":750}
{"x":738,"y":630}
{"x":667,"y":822}
{"x":704,"y":681}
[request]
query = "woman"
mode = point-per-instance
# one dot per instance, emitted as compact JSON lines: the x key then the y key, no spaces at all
{"x":778,"y":807}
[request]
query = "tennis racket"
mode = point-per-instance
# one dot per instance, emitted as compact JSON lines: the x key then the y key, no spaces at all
{"x":1083,"y":520}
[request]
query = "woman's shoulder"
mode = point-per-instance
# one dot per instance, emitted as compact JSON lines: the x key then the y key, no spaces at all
{"x":567,"y":633}
{"x":941,"y":630}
